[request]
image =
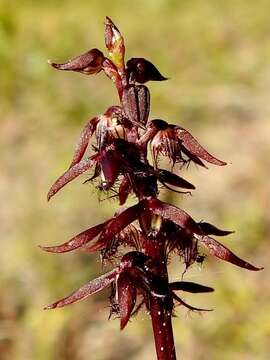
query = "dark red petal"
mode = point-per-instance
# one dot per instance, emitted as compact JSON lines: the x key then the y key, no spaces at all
{"x":190,"y":287}
{"x":71,"y":174}
{"x":89,"y":289}
{"x":177,"y":298}
{"x":217,"y":249}
{"x":77,"y":241}
{"x":192,"y":145}
{"x":87,"y":63}
{"x":210,"y":229}
{"x":126,"y":293}
{"x":119,"y":222}
{"x":82,"y":144}
{"x":174,"y":214}
{"x":173,"y":179}
{"x":124,"y":190}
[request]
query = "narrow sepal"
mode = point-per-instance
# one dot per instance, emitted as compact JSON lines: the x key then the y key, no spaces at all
{"x":173,"y":179}
{"x":192,"y":145}
{"x":77,"y":241}
{"x":89,"y":289}
{"x":210,"y":229}
{"x":83,"y":142}
{"x":217,"y":249}
{"x":126,"y":292}
{"x":190,"y":307}
{"x":87,"y":63}
{"x":71,"y":174}
{"x":190,"y":287}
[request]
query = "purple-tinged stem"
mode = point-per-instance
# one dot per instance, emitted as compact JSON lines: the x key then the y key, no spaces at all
{"x":162,"y":329}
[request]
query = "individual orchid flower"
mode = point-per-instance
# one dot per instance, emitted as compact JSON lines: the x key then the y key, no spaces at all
{"x":129,"y":276}
{"x":175,"y":142}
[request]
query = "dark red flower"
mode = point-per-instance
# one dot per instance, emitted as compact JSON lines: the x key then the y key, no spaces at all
{"x":175,"y":142}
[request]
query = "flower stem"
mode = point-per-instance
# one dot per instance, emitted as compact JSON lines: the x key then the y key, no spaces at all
{"x":162,"y":328}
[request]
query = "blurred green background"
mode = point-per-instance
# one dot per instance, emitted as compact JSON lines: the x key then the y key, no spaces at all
{"x":217,"y":54}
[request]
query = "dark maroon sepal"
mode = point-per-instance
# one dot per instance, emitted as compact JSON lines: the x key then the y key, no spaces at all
{"x":77,"y":241}
{"x":190,"y":287}
{"x":90,"y":288}
{"x":71,"y":174}
{"x":220,"y":251}
{"x":210,"y":229}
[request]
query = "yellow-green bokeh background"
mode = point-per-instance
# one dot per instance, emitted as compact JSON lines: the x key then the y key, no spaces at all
{"x":217,"y":54}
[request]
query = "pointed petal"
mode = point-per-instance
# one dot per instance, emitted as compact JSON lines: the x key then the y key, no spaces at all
{"x":174,"y":214}
{"x":217,"y":249}
{"x":173,"y":179}
{"x":126,"y":293}
{"x":82,"y":144}
{"x":190,"y":307}
{"x":77,"y":241}
{"x":71,"y":174}
{"x":89,"y":289}
{"x":192,"y":145}
{"x":190,"y":287}
{"x":119,"y":222}
{"x":210,"y":229}
{"x":87,"y":63}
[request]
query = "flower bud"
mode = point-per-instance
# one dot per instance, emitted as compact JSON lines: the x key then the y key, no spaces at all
{"x":115,"y":44}
{"x":141,"y":70}
{"x":88,"y":63}
{"x":136,"y":103}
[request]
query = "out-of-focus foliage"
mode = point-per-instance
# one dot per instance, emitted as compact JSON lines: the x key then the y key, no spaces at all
{"x":217,"y":54}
